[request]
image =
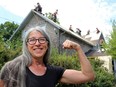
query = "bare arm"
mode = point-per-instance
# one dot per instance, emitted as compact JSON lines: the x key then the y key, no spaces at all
{"x":74,"y":76}
{"x":1,"y":83}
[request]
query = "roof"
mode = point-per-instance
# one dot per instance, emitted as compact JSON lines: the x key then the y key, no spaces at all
{"x":94,"y":37}
{"x":32,"y":13}
{"x":96,"y":53}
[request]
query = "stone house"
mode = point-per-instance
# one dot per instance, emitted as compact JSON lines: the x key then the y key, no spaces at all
{"x":58,"y":34}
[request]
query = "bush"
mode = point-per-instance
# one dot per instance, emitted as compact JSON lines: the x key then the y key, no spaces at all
{"x":103,"y":77}
{"x":9,"y":51}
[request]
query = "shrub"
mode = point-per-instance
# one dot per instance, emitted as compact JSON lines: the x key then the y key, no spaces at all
{"x":103,"y":77}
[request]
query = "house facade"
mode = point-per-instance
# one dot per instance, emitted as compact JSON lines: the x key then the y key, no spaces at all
{"x":58,"y":34}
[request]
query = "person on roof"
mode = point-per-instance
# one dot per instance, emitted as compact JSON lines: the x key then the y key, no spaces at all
{"x":38,"y":8}
{"x":31,"y":68}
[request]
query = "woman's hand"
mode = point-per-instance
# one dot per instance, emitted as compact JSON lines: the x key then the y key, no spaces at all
{"x":71,"y":45}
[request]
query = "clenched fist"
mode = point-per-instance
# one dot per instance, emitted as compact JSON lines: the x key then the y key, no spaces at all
{"x":71,"y":45}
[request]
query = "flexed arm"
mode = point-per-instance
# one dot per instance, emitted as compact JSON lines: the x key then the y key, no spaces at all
{"x":74,"y":76}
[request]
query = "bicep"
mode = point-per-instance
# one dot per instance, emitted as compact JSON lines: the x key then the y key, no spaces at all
{"x":73,"y":77}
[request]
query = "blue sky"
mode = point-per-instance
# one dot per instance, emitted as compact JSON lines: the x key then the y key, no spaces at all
{"x":5,"y":15}
{"x":83,"y":14}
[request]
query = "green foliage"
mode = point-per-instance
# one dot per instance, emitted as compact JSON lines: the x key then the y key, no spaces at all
{"x":110,"y":47}
{"x":63,"y":60}
{"x":50,"y":16}
{"x":103,"y":77}
{"x":9,"y":49}
{"x":8,"y":53}
{"x":7,"y":29}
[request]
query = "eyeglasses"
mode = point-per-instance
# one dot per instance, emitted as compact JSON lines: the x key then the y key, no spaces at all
{"x":32,"y":41}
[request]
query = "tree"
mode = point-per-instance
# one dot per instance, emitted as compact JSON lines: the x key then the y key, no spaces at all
{"x":50,"y":16}
{"x":110,"y":46}
{"x":9,"y":49}
{"x":103,"y":77}
{"x":7,"y":29}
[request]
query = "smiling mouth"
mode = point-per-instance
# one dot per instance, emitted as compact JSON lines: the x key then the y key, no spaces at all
{"x":38,"y":48}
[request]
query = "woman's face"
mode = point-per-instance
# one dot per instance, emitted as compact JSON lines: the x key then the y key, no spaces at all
{"x":37,"y":44}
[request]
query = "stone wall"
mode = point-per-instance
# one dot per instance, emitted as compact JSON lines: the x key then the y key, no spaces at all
{"x":57,"y":36}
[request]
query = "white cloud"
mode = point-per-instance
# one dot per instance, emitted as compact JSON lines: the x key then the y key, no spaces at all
{"x":84,"y":14}
{"x":18,"y":7}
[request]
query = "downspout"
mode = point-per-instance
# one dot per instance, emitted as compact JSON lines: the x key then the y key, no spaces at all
{"x":60,"y":34}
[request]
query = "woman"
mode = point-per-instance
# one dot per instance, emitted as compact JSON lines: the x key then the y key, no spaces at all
{"x":31,"y":68}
